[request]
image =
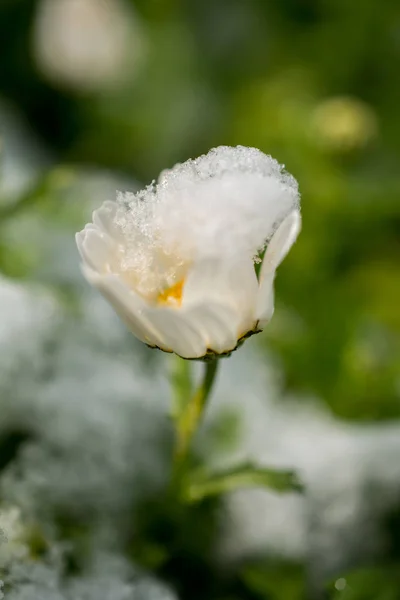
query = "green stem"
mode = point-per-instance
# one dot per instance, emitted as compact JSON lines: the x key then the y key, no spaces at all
{"x":189,"y":420}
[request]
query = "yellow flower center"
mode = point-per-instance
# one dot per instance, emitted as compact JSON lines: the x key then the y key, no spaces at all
{"x":172,"y":295}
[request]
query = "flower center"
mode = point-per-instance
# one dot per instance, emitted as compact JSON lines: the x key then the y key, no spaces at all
{"x":172,"y":295}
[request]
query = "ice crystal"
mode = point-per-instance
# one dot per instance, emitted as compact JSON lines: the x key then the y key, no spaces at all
{"x":225,"y":204}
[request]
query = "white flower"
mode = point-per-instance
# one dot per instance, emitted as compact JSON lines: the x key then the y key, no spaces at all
{"x":176,"y":260}
{"x":86,"y":44}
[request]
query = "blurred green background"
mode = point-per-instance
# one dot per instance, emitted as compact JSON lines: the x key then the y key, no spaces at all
{"x":100,"y":94}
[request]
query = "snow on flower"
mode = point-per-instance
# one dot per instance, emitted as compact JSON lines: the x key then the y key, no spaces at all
{"x":177,"y":259}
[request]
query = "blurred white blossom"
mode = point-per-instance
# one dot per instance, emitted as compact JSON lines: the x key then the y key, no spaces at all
{"x":176,"y":260}
{"x":86,"y":44}
{"x":22,"y":158}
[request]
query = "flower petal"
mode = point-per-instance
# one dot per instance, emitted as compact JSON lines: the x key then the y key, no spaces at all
{"x":277,"y":249}
{"x":281,"y":242}
{"x":104,"y":219}
{"x":177,"y":331}
{"x":232,"y":284}
{"x":128,"y":305}
{"x":96,"y":248}
{"x":265,"y":300}
{"x":218,"y":324}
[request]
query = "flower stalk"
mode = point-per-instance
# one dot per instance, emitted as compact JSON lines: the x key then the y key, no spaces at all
{"x":189,"y":418}
{"x":191,"y":484}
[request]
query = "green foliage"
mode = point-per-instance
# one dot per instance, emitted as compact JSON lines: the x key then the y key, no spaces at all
{"x":275,"y":580}
{"x":177,"y":542}
{"x":203,"y":484}
{"x":375,"y":583}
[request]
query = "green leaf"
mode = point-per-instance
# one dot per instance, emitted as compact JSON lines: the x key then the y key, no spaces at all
{"x":243,"y":476}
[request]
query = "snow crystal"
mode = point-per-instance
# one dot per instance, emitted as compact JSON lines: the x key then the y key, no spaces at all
{"x":34,"y":581}
{"x":92,"y":413}
{"x":110,"y":577}
{"x":27,"y":328}
{"x":98,"y":429}
{"x":12,"y":546}
{"x":225,"y":204}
